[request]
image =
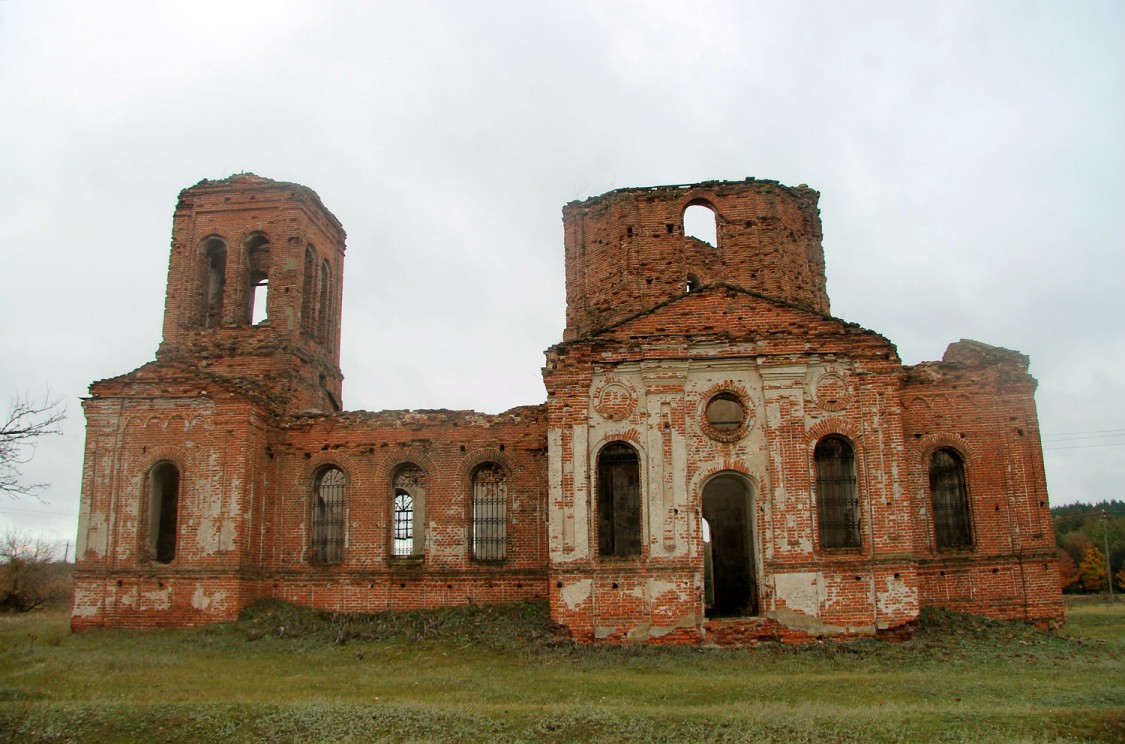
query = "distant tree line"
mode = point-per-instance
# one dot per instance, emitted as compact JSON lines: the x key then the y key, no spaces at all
{"x":32,"y":576}
{"x":1082,"y":532}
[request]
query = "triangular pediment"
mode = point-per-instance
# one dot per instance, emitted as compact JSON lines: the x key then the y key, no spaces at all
{"x":723,"y":312}
{"x":177,"y":379}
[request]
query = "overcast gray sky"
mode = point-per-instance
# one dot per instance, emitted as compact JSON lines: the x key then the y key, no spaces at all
{"x":970,"y":157}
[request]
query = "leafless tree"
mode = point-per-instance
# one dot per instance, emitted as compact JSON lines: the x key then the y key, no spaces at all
{"x":31,"y":574}
{"x":27,"y":421}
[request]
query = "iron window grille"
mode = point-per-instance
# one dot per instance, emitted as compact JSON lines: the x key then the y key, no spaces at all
{"x":489,"y":513}
{"x":837,"y":499}
{"x":328,"y":517}
{"x":949,"y":497}
{"x":403,"y":524}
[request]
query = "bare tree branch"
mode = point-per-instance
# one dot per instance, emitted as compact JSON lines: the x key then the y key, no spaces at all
{"x":27,"y":421}
{"x":30,"y":572}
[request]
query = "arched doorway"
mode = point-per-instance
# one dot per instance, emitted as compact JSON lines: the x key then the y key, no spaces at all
{"x":732,"y":587}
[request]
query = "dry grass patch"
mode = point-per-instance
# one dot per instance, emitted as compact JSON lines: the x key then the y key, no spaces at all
{"x":499,"y":673}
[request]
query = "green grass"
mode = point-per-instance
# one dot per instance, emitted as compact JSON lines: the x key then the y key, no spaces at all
{"x":1095,"y":617}
{"x":287,"y":674}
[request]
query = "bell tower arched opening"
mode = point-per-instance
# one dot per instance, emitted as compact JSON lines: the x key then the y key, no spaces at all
{"x":701,"y":223}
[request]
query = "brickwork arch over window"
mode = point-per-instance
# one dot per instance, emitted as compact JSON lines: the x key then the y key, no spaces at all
{"x":163,"y":513}
{"x":490,"y":513}
{"x":328,"y":516}
{"x":950,"y":499}
{"x":408,"y":516}
{"x":837,"y":497}
{"x":619,"y":500}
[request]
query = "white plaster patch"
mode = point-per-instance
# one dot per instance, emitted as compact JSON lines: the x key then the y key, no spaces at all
{"x":233,"y":505}
{"x":580,"y":538}
{"x":87,"y":602}
{"x":127,"y":597}
{"x":208,"y":535}
{"x":576,"y":594}
{"x":799,"y":591}
{"x":226,"y":535}
{"x":157,"y":599}
{"x":561,"y":537}
{"x":201,"y":600}
{"x":658,"y":589}
{"x":97,"y":535}
{"x":639,"y":632}
{"x":897,"y":599}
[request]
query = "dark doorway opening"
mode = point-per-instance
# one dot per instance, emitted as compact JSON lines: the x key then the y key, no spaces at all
{"x":730,"y":583}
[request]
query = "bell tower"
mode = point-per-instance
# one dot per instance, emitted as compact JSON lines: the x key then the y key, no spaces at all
{"x":255,"y":288}
{"x":630,"y":250}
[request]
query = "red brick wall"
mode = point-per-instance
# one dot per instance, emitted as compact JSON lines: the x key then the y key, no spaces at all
{"x":760,"y":349}
{"x":626,"y":250}
{"x":979,"y":401}
{"x":245,"y":412}
{"x":246,"y":506}
{"x":296,"y":356}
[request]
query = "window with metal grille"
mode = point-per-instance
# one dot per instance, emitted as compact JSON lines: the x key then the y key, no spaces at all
{"x":619,"y":501}
{"x":490,"y":520}
{"x":404,"y":523}
{"x":328,"y":516}
{"x":408,"y":516}
{"x":950,"y":499}
{"x":837,"y":500}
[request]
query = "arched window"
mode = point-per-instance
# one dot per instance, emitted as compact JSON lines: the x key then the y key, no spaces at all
{"x":258,"y":273}
{"x":323,"y":310}
{"x":693,"y":283}
{"x":308,"y":292}
{"x":215,"y":253}
{"x":950,"y":499}
{"x":163,"y":513}
{"x":408,"y":517}
{"x":700,"y":223}
{"x":619,"y":500}
{"x":490,"y":520}
{"x":404,"y":523}
{"x":328,"y":516}
{"x":837,"y":500}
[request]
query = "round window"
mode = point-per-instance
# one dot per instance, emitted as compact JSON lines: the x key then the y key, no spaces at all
{"x":725,"y":413}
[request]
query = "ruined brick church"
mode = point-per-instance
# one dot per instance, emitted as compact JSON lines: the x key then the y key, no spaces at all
{"x":718,"y":460}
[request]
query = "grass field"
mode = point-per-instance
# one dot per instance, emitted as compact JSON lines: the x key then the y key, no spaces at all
{"x":283,"y":674}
